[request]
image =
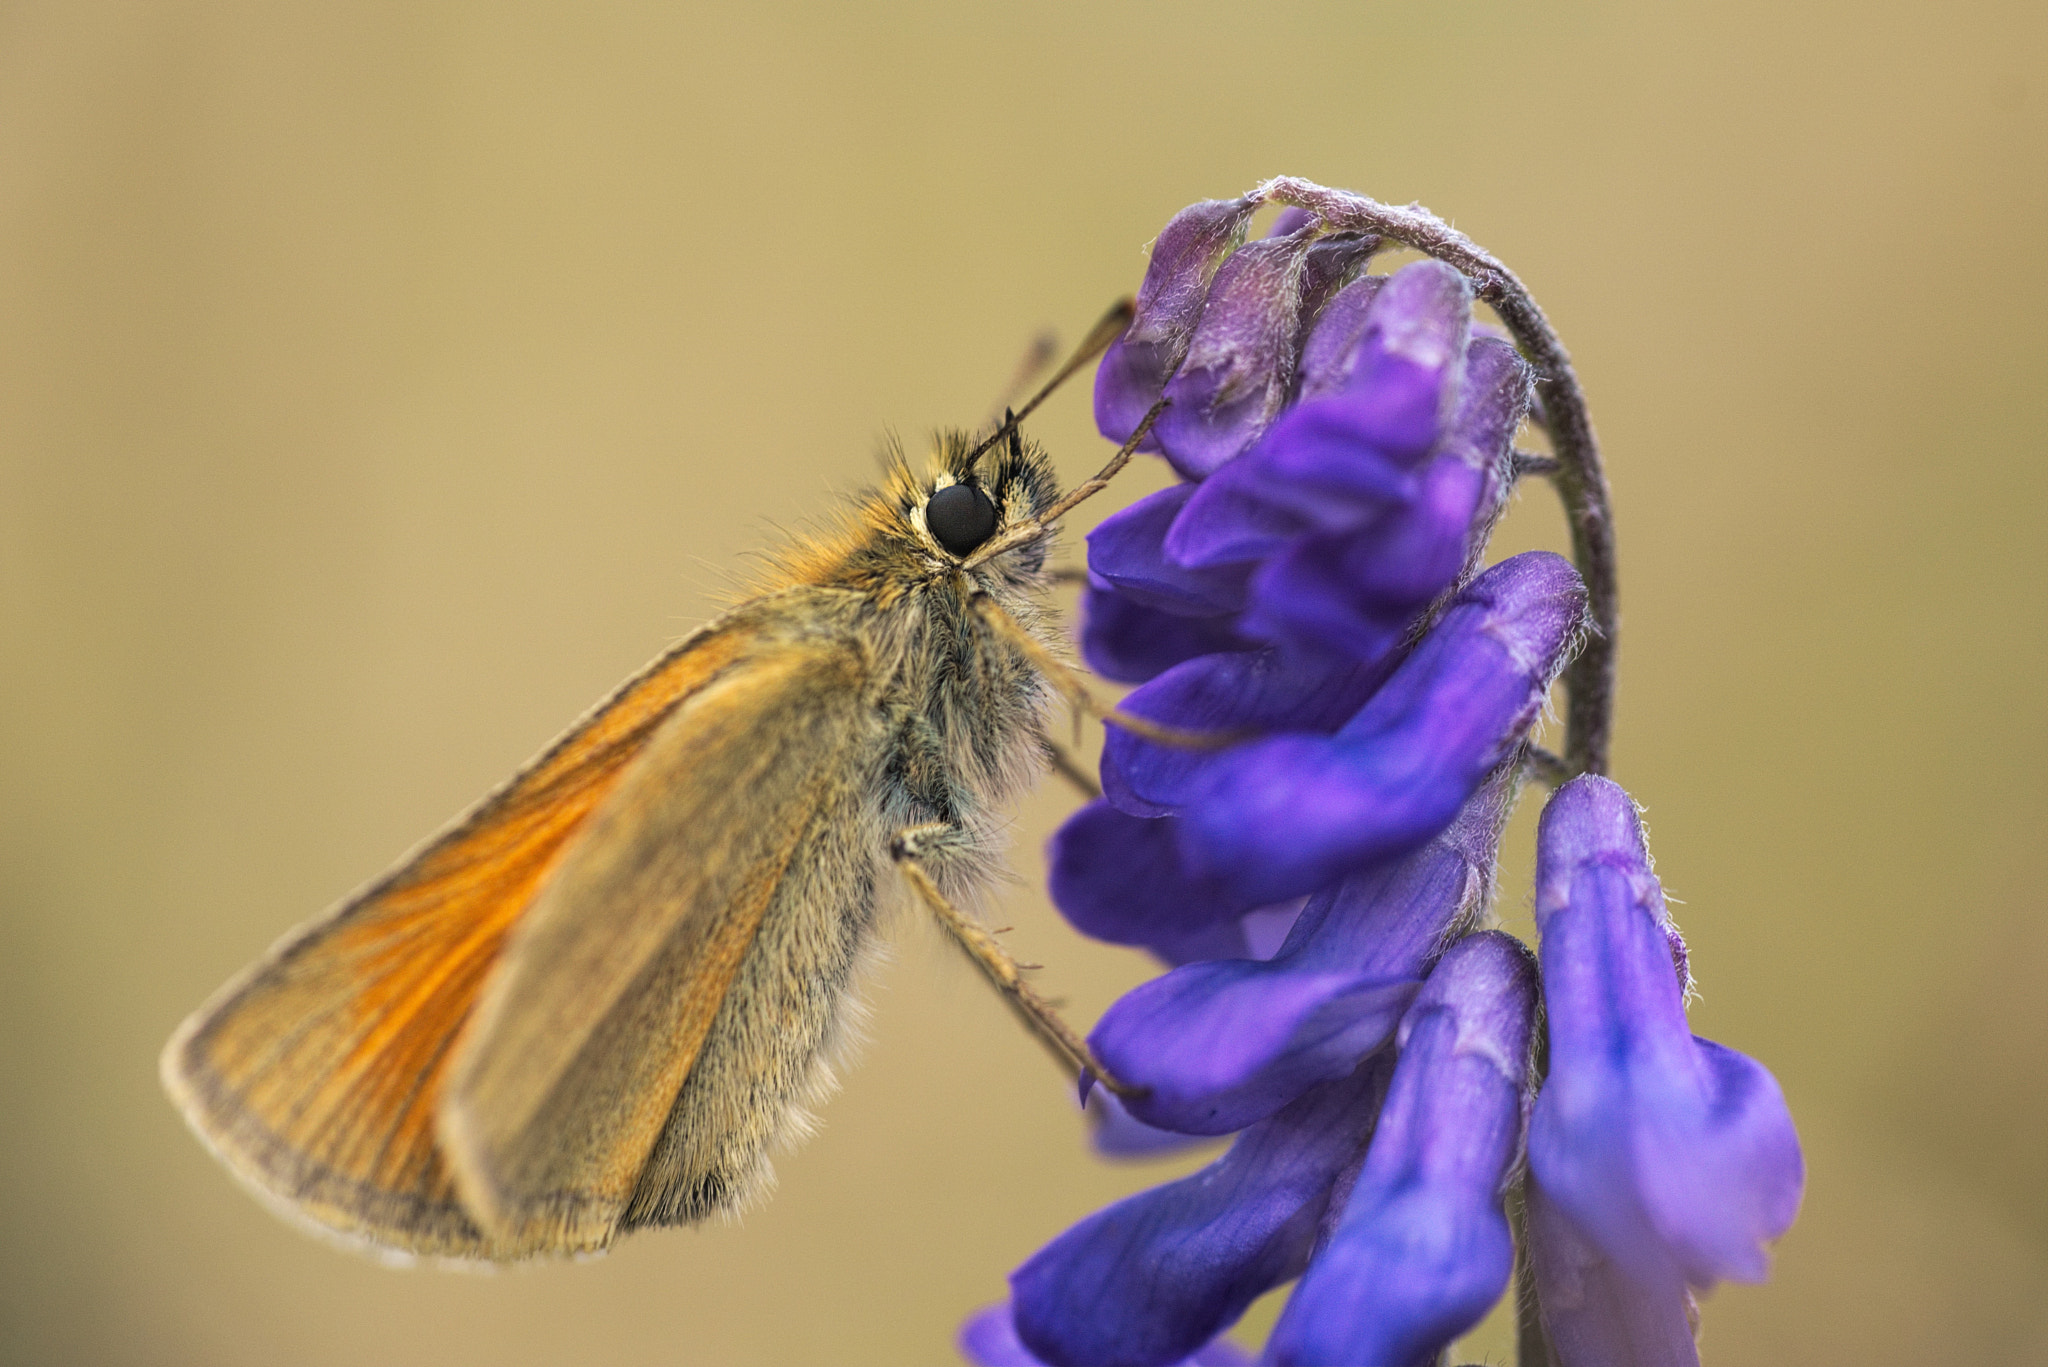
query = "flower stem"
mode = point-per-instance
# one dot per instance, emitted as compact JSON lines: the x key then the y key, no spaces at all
{"x":1581,"y":483}
{"x":1547,"y":769}
{"x":1533,"y":1347}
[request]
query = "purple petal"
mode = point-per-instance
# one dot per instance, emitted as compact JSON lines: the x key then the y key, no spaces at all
{"x":1292,"y":220}
{"x":1239,"y":367}
{"x":1125,"y":552}
{"x":989,"y":1339}
{"x":1333,"y":266}
{"x":1255,"y":935}
{"x":1421,"y":1248}
{"x":1130,"y":643}
{"x":1495,"y":398}
{"x":1221,"y":940}
{"x":1119,"y":878}
{"x":1356,"y":594}
{"x":1266,"y":930}
{"x":1316,"y":470}
{"x":1255,"y":1041}
{"x":1275,"y":818}
{"x":1252,"y":693}
{"x":1157,"y":1274}
{"x":1225,"y":1043}
{"x":1595,"y":1314}
{"x":1332,"y":344}
{"x":1406,"y":368}
{"x":1491,"y":404}
{"x":1673,"y":1154}
{"x":1137,"y":365}
{"x":1114,"y":1132}
{"x":1341,"y":459}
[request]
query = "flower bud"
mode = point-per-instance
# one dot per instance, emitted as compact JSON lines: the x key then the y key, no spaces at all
{"x":1332,"y":341}
{"x":1239,"y":368}
{"x":1333,"y":265}
{"x":1382,"y":371}
{"x":1184,"y":259}
{"x":1409,"y":358}
{"x":1356,"y":593}
{"x":1674,"y":1155}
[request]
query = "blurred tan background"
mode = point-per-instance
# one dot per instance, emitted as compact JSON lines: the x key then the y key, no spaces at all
{"x":379,"y":384}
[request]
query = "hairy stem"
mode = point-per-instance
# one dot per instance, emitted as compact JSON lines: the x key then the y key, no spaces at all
{"x":1547,"y":769}
{"x":1589,"y":682}
{"x":1533,"y":1347}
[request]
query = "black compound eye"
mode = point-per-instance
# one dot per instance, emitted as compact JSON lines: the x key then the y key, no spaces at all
{"x":960,"y":517}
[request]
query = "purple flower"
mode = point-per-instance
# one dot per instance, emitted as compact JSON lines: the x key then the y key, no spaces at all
{"x":1352,"y":773}
{"x":1225,"y":1042}
{"x":1115,"y":1133}
{"x":1184,"y":260}
{"x":1671,"y":1155}
{"x":1254,"y":691}
{"x":1317,"y":590}
{"x":1282,"y":816}
{"x":1331,"y":1184}
{"x":1420,"y":1248}
{"x":1157,"y":1275}
{"x":1353,"y":591}
{"x":1126,"y":641}
{"x":1326,"y":541}
{"x":1124,"y":553}
{"x":1239,"y":368}
{"x":1120,"y":879}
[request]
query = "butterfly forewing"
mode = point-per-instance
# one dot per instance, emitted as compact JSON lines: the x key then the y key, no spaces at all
{"x":317,"y":1074}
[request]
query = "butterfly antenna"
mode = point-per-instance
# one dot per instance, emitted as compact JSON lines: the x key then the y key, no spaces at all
{"x":1094,"y":344}
{"x":1044,"y":350}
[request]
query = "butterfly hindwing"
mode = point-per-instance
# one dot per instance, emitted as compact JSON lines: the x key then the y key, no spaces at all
{"x":571,"y":1070}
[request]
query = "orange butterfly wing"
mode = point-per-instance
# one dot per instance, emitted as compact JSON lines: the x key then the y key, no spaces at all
{"x":594,"y":1042}
{"x":315,"y":1075}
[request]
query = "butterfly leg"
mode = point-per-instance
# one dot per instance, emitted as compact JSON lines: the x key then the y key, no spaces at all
{"x":910,"y":849}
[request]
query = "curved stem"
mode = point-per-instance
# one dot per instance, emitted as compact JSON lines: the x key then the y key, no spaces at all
{"x":1589,"y":682}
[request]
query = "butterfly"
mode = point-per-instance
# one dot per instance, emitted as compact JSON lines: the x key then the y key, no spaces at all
{"x":605,"y":995}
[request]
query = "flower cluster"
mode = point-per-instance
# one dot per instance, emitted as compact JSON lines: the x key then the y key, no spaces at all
{"x":1317,"y":585}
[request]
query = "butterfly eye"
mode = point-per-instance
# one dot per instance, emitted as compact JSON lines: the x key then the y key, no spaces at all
{"x":961,"y":517}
